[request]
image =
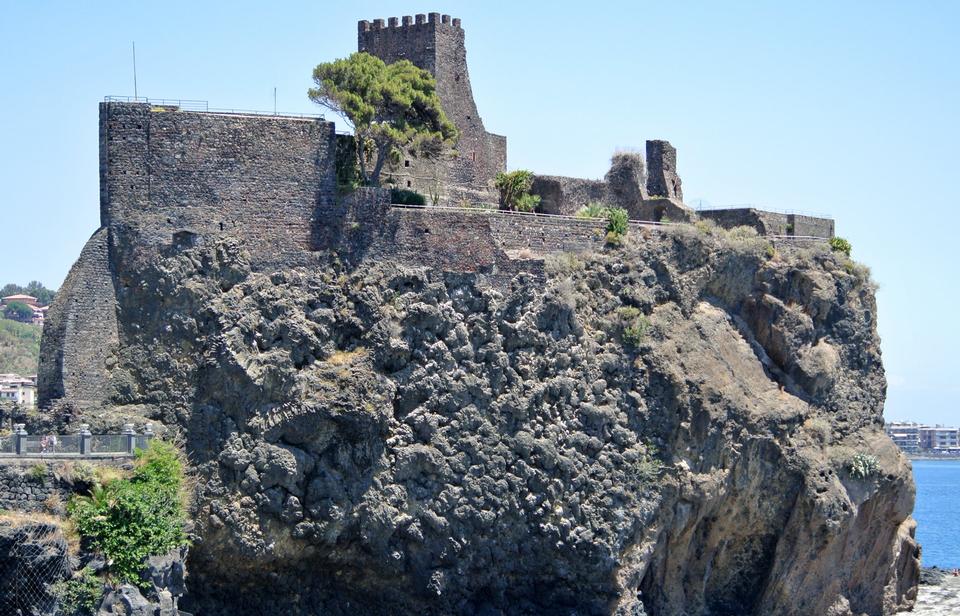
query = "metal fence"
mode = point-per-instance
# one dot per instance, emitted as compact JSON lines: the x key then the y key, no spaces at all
{"x":185,"y":104}
{"x":20,"y":444}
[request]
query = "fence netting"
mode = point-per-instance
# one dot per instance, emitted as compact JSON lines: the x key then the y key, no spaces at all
{"x":33,"y":557}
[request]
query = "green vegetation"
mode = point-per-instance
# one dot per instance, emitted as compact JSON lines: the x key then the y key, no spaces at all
{"x":131,"y":518}
{"x":18,"y":311}
{"x":592,"y":210}
{"x":80,"y":595}
{"x":863,"y":465}
{"x":38,"y":472}
{"x":19,"y":347}
{"x":390,"y":106}
{"x":648,"y":468}
{"x":633,"y":324}
{"x":34,"y":288}
{"x":616,"y":220}
{"x":406,"y":197}
{"x":514,"y":190}
{"x":838,"y":244}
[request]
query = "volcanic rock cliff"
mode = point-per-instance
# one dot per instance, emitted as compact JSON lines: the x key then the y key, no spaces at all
{"x":664,"y":427}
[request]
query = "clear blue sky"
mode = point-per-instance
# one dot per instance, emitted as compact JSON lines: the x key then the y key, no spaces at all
{"x":849,"y":108}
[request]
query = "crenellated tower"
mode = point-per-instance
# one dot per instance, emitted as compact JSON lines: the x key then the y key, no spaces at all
{"x":435,"y":42}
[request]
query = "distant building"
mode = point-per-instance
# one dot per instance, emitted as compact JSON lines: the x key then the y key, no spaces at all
{"x":18,"y":389}
{"x":29,"y":300}
{"x":906,"y":436}
{"x":39,"y":312}
{"x":914,"y":438}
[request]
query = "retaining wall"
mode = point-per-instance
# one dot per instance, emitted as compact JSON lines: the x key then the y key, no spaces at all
{"x":22,"y":491}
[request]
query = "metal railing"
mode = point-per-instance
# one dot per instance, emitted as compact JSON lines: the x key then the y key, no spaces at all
{"x":184,"y":104}
{"x":20,"y":444}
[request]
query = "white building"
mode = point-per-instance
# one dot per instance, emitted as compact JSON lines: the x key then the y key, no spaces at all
{"x":18,"y":389}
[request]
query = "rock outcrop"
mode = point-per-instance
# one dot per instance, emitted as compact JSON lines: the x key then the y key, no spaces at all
{"x":662,"y":428}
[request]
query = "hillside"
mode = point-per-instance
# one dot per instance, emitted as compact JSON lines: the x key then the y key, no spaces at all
{"x":19,"y":346}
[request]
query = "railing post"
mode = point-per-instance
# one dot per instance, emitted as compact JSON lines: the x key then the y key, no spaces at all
{"x":19,"y":434}
{"x":148,"y":432}
{"x":131,"y":435}
{"x":86,"y":439}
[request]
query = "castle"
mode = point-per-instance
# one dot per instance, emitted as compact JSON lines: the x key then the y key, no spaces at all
{"x":172,"y":179}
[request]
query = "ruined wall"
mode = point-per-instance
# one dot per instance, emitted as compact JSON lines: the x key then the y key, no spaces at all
{"x":436,"y":43}
{"x":79,"y":340}
{"x":662,"y":179}
{"x":565,"y":195}
{"x":265,"y":178}
{"x":771,"y":223}
{"x":654,"y":196}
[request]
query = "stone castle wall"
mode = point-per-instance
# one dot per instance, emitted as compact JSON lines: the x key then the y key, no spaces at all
{"x":626,"y":185}
{"x":771,"y":223}
{"x":80,"y":337}
{"x":265,"y":178}
{"x":436,"y":43}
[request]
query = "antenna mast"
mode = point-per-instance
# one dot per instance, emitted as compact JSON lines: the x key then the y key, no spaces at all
{"x":134,"y":70}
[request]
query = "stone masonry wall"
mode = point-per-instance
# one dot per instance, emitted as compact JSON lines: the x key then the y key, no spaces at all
{"x":566,"y":195}
{"x":80,"y":332}
{"x":436,"y":43}
{"x":266,"y":178}
{"x":24,"y":489}
{"x":662,"y":178}
{"x":771,"y":223}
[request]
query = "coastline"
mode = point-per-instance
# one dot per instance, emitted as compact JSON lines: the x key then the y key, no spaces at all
{"x":934,"y":458}
{"x":938,"y":593}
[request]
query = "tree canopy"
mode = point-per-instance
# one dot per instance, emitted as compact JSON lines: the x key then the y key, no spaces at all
{"x":389,"y":105}
{"x":18,"y":311}
{"x":34,"y":288}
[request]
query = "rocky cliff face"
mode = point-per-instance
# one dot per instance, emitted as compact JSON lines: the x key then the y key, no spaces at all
{"x":661,"y":428}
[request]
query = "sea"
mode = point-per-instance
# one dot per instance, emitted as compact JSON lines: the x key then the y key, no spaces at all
{"x":937,"y":511}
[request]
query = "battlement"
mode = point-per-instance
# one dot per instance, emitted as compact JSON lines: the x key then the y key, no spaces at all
{"x":407,"y":21}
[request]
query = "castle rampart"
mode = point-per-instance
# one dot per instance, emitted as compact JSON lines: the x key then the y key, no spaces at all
{"x":266,"y":178}
{"x":436,"y":43}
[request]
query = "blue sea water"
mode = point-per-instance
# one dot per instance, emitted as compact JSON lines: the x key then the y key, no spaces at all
{"x":937,"y":511}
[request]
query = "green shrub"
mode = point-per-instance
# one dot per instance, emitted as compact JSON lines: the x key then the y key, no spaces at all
{"x":38,"y":472}
{"x":80,"y":595}
{"x":647,"y":469}
{"x":130,"y":519}
{"x":528,"y":203}
{"x":592,"y":210}
{"x":838,"y":244}
{"x":617,"y":220}
{"x":514,"y":188}
{"x":633,"y":324}
{"x":402,"y":196}
{"x":863,"y":465}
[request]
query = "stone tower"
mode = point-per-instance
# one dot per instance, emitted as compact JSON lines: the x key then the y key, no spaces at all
{"x":436,"y":43}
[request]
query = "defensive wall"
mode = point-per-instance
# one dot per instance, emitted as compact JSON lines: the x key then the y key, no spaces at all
{"x":80,"y":332}
{"x":648,"y":192}
{"x":436,"y":43}
{"x":42,"y":485}
{"x":265,"y":178}
{"x":772,"y":223}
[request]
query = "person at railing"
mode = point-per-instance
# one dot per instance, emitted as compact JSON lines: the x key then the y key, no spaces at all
{"x":48,"y":443}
